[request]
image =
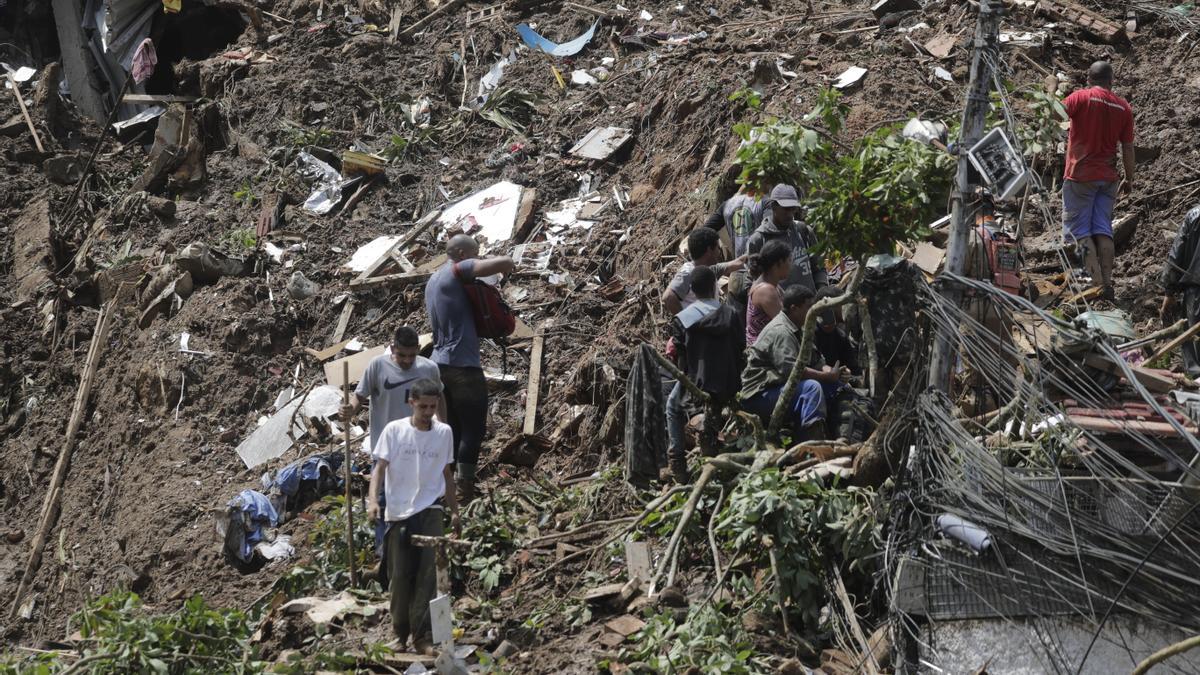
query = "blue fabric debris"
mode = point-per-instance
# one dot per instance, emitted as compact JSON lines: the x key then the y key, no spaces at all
{"x":535,"y":41}
{"x":256,"y":512}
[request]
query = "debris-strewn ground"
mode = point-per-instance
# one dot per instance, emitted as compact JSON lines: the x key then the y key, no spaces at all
{"x":155,"y":456}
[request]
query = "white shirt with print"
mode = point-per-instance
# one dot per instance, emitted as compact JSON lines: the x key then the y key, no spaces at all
{"x":416,"y":460}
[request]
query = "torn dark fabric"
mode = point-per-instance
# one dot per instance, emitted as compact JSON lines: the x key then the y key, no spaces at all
{"x":645,"y":419}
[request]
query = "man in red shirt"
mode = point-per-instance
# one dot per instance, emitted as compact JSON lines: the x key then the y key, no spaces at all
{"x":1099,"y":121}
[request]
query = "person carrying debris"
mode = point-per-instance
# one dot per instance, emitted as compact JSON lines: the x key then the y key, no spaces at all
{"x":385,"y":387}
{"x":456,"y":350}
{"x":768,"y":269}
{"x":704,"y":248}
{"x":1099,"y":121}
{"x":769,"y":363}
{"x":1181,"y":275}
{"x":710,"y":345}
{"x":414,"y":462}
{"x":779,"y":224}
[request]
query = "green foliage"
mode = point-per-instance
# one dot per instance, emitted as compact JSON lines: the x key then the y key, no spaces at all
{"x":709,"y":640}
{"x":510,"y":108}
{"x":810,"y":526}
{"x":240,"y":239}
{"x":123,"y":638}
{"x":334,"y":661}
{"x":245,"y":194}
{"x":1042,"y":131}
{"x":489,"y":525}
{"x":327,"y":568}
{"x":301,"y":137}
{"x":748,"y":95}
{"x":861,"y":199}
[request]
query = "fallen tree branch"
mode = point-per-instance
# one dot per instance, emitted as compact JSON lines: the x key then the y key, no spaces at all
{"x":712,"y":536}
{"x":50,"y":507}
{"x":806,"y":347}
{"x":444,"y":9}
{"x":689,"y":509}
{"x":869,"y":340}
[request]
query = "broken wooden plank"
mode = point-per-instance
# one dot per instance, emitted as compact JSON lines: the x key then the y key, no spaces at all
{"x":396,"y":251}
{"x":152,"y":99}
{"x":603,"y":592}
{"x":329,"y":352}
{"x":1150,"y":380}
{"x":625,"y":625}
{"x":344,"y":319}
{"x":402,"y":279}
{"x":535,"y":380}
{"x":1180,"y":339}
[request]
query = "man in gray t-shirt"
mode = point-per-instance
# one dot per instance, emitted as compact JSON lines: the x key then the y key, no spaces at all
{"x":456,"y":351}
{"x":704,"y":248}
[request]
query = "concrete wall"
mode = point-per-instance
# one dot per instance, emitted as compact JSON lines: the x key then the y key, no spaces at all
{"x":1025,"y":646}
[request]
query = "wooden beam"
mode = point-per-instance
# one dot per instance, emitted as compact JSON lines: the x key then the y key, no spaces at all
{"x":396,"y":252}
{"x":1180,"y":339}
{"x":344,"y":319}
{"x":403,"y":279}
{"x":535,"y":379}
{"x":1149,"y":379}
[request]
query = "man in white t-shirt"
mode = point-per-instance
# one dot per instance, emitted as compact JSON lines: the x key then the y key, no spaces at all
{"x":414,"y":462}
{"x":385,"y":387}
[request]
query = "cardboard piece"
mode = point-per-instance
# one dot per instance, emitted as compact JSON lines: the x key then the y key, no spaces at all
{"x":358,"y":365}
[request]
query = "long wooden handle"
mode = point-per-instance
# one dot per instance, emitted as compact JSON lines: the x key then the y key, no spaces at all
{"x":346,"y":479}
{"x":28,"y":120}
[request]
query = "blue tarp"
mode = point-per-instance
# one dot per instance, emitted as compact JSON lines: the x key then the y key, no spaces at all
{"x":257,"y":512}
{"x":535,"y":41}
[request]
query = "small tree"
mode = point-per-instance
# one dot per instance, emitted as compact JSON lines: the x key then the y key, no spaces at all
{"x":860,"y":199}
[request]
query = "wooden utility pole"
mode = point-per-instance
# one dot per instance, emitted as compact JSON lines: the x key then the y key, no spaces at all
{"x":346,"y":477}
{"x":985,"y":51}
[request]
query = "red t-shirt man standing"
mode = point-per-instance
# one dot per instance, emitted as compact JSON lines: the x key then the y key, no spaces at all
{"x":1100,"y":120}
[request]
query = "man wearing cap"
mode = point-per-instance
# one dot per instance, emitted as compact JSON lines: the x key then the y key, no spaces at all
{"x":1100,"y":120}
{"x":778,"y":222}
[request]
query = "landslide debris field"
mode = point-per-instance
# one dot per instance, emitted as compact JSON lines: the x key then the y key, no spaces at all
{"x":156,"y":459}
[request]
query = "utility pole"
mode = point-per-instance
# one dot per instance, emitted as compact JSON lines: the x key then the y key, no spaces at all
{"x":985,"y":50}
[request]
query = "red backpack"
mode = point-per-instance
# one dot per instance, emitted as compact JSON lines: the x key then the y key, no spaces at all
{"x":493,"y":317}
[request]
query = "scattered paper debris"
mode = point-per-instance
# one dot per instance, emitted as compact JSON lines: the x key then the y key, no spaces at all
{"x":852,"y":76}
{"x":602,"y":142}
{"x":489,"y":214}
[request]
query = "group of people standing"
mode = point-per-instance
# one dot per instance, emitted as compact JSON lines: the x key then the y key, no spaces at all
{"x":748,"y":342}
{"x":428,"y":418}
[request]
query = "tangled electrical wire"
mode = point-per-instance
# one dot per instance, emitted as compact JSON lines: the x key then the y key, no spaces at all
{"x":1080,"y":523}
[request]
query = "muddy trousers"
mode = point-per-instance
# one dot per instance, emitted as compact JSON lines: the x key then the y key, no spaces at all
{"x":466,"y":406}
{"x":1191,"y":352}
{"x":412,"y":573}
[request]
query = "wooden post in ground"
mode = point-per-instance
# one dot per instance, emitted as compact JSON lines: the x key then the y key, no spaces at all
{"x":54,"y":491}
{"x":985,"y":50}
{"x":535,"y":380}
{"x":346,"y":478}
